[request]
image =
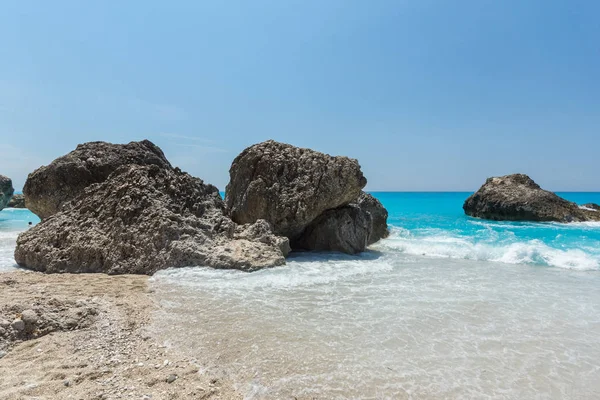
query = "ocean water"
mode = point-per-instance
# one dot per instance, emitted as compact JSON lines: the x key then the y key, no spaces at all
{"x":12,"y":222}
{"x":448,"y":307}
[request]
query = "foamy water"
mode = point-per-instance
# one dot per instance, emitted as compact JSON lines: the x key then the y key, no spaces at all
{"x":389,"y":326}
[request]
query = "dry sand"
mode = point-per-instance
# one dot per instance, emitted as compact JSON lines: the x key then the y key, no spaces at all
{"x":86,"y":339}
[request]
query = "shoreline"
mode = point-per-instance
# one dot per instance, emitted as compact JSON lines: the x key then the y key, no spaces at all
{"x":100,"y":346}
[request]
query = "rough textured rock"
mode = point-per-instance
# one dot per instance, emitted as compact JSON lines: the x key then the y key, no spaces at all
{"x":346,"y":229}
{"x":289,"y":186}
{"x":518,"y":198}
{"x":17,"y":201}
{"x":379,"y":215}
{"x":143,"y":218}
{"x":49,"y":187}
{"x":591,"y":206}
{"x":6,"y":191}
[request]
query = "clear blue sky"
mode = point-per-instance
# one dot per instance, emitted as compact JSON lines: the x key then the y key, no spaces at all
{"x":428,"y":95}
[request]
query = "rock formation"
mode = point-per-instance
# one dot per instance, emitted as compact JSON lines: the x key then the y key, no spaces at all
{"x":379,"y":215}
{"x":346,"y":229}
{"x":518,"y":198}
{"x":17,"y":201}
{"x":6,"y":191}
{"x":312,"y":198}
{"x":139,"y":219}
{"x":591,"y":206}
{"x":50,"y":186}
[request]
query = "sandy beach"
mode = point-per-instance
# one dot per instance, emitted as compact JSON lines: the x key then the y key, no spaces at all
{"x":87,"y":339}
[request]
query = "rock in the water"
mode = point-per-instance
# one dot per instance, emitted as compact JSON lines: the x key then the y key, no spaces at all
{"x":346,"y":229}
{"x":591,"y":206}
{"x":143,"y":218}
{"x":17,"y":201}
{"x":518,"y":198}
{"x":49,"y":187}
{"x":379,"y":215}
{"x":289,"y":186}
{"x":6,"y":191}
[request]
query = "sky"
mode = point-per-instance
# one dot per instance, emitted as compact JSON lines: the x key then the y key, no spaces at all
{"x":427,"y":95}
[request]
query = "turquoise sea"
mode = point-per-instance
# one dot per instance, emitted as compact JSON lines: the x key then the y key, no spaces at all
{"x":448,"y":307}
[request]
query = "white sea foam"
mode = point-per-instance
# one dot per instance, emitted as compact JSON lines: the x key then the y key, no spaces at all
{"x":442,"y":244}
{"x":8,"y":242}
{"x":389,"y":325}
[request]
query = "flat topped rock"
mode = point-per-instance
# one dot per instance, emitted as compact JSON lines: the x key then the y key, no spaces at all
{"x":518,"y":198}
{"x":49,"y":187}
{"x":289,"y":186}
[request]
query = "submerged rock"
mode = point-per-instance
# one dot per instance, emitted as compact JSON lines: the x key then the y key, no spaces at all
{"x":312,"y":198}
{"x":141,"y":219}
{"x":17,"y":201}
{"x":289,"y":186}
{"x":6,"y":191}
{"x":518,"y":198}
{"x":51,"y":186}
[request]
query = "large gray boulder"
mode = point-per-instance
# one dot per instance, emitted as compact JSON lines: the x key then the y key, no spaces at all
{"x":518,"y":198}
{"x":369,"y":204}
{"x":314,"y":199}
{"x":6,"y":191}
{"x":346,"y":229}
{"x":289,"y":186}
{"x":17,"y":201}
{"x":49,"y":187}
{"x":143,"y":218}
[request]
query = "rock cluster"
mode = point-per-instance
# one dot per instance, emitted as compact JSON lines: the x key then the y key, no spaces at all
{"x":19,"y":323}
{"x":123,"y":209}
{"x":312,"y":198}
{"x":17,"y":201}
{"x":6,"y":191}
{"x":141,"y":218}
{"x":518,"y":198}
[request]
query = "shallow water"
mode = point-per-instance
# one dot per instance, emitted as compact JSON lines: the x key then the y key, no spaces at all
{"x":12,"y":222}
{"x":448,"y":307}
{"x":390,"y":326}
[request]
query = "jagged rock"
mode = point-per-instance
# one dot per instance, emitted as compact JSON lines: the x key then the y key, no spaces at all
{"x":49,"y":187}
{"x":518,"y":198}
{"x":6,"y":191}
{"x":17,"y":201}
{"x":591,"y":206}
{"x":346,"y":229}
{"x":143,"y":218}
{"x":379,"y":215}
{"x":289,"y":186}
